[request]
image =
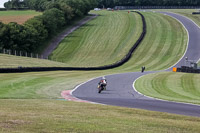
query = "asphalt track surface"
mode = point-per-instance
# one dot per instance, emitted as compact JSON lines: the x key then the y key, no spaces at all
{"x":120,"y":89}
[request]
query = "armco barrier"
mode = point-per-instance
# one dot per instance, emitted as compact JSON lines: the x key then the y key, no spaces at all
{"x":196,"y":13}
{"x":187,"y":69}
{"x":117,"y":64}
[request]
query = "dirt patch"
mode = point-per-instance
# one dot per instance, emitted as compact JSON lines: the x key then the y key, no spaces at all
{"x":17,"y":19}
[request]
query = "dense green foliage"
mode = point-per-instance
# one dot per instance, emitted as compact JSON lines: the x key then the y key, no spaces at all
{"x":14,"y":4}
{"x":35,"y":31}
{"x":112,"y":3}
{"x":42,"y":5}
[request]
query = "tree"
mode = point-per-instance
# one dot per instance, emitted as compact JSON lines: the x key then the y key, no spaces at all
{"x":35,"y":33}
{"x":53,"y":19}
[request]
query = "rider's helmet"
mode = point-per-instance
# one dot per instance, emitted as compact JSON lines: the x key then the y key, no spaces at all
{"x":103,"y":78}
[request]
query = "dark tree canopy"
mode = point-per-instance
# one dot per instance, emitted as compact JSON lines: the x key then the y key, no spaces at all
{"x":112,"y":3}
{"x":56,"y":14}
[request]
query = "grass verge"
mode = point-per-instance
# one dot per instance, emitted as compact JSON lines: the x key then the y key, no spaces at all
{"x":10,"y":61}
{"x":62,"y":116}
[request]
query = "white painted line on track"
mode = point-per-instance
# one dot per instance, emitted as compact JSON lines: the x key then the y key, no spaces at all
{"x":190,"y":20}
{"x":187,"y":42}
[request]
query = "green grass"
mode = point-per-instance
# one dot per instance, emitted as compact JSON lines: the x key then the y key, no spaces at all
{"x":104,"y":40}
{"x":60,"y":116}
{"x":93,"y":45}
{"x":163,"y":45}
{"x":42,"y":85}
{"x":182,"y":87}
{"x":187,"y":13}
{"x":10,"y":61}
{"x":41,"y":115}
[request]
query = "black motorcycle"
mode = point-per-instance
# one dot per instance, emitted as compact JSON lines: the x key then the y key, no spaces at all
{"x":101,"y":87}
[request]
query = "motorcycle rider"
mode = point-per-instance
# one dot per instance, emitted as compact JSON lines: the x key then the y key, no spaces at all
{"x":103,"y":83}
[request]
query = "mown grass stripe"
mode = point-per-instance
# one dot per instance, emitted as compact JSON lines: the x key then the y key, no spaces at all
{"x":144,"y":47}
{"x":182,"y":87}
{"x":187,"y":83}
{"x":159,"y":84}
{"x":176,"y":86}
{"x":114,"y":40}
{"x":163,"y":47}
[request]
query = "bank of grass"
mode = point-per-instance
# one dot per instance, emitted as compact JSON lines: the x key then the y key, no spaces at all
{"x":163,"y":45}
{"x":104,"y":40}
{"x":17,"y":16}
{"x":188,"y":13}
{"x":182,"y":87}
{"x":10,"y":61}
{"x":60,"y":116}
{"x":94,"y":45}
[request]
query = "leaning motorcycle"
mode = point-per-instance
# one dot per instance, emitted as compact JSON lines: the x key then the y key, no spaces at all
{"x":101,"y":88}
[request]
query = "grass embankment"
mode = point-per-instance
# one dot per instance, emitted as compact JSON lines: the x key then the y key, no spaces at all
{"x":60,"y":116}
{"x":17,"y":16}
{"x":96,"y":46}
{"x":104,"y":40}
{"x":188,"y":13}
{"x":182,"y":87}
{"x":10,"y":61}
{"x":163,"y":45}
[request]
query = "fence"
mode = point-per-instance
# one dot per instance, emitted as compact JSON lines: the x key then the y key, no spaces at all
{"x":155,"y":7}
{"x":20,"y":53}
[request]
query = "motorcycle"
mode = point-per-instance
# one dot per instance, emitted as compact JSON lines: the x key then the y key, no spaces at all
{"x":101,"y":88}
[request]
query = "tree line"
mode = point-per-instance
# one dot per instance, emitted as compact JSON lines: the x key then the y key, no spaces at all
{"x":113,"y":3}
{"x":57,"y":14}
{"x":35,"y":31}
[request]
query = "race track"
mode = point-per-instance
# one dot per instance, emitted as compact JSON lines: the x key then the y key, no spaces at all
{"x":121,"y":91}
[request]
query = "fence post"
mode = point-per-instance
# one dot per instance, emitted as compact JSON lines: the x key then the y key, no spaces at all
{"x":20,"y":53}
